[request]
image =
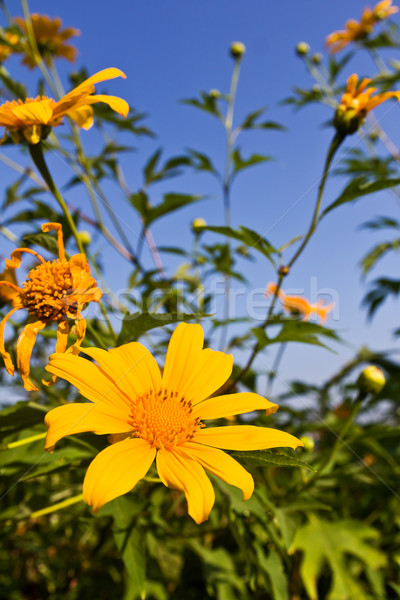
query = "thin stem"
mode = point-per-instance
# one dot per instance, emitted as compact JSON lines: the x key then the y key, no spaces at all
{"x":36,"y":152}
{"x":57,"y":506}
{"x":337,"y":140}
{"x":274,"y":371}
{"x":27,"y":440}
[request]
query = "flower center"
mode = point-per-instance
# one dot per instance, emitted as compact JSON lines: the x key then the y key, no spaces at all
{"x":164,"y":420}
{"x":45,"y":291}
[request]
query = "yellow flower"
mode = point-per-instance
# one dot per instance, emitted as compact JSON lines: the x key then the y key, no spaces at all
{"x":31,"y":119}
{"x":356,"y":103}
{"x":150,"y":416}
{"x":50,"y":39}
{"x":7,"y":49}
{"x":358,"y":30}
{"x":53,"y":291}
{"x":297,"y":305}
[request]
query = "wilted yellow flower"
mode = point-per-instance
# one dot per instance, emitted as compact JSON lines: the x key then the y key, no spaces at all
{"x":297,"y":305}
{"x":50,"y":38}
{"x":356,"y":103}
{"x":53,"y":291}
{"x":358,"y":30}
{"x":8,"y":295}
{"x":150,"y":416}
{"x":31,"y":119}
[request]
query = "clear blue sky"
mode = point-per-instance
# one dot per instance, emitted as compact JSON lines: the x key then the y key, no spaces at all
{"x":172,"y":49}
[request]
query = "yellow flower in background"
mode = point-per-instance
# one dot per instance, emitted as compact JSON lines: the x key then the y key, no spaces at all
{"x":50,"y":38}
{"x":358,"y":30}
{"x":31,"y":119}
{"x":7,"y":48}
{"x":153,"y":417}
{"x":297,"y":305}
{"x":357,"y":101}
{"x":53,"y":291}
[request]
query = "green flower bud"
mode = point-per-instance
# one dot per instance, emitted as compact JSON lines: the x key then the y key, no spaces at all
{"x":84,"y":237}
{"x":308,"y":442}
{"x":317,"y":58}
{"x":214,"y":94}
{"x":371,"y":380}
{"x":302,"y":49}
{"x":237,"y":50}
{"x":347,"y":120}
{"x":198,"y":225}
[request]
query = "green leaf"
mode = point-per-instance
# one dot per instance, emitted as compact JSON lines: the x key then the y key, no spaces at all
{"x":377,"y":253}
{"x":17,"y":89}
{"x":44,"y":240}
{"x":150,"y":166}
{"x":201,"y":162}
{"x":251,"y":238}
{"x":250,"y":122}
{"x":171,"y":202}
{"x":325,"y":542}
{"x":135,"y":324}
{"x":361,"y":187}
{"x":207,"y":103}
{"x":295,"y":330}
{"x":240,"y":163}
{"x":268,"y":458}
{"x":272,"y":566}
{"x":20,"y":415}
{"x":381,"y":289}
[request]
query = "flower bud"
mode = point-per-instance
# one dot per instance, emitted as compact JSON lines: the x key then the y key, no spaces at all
{"x":198,"y":225}
{"x":283,"y":271}
{"x":84,"y":237}
{"x":214,"y":94}
{"x":347,"y":120}
{"x":308,"y":442}
{"x":302,"y":49}
{"x":317,"y":58}
{"x":371,"y":380}
{"x":237,"y":50}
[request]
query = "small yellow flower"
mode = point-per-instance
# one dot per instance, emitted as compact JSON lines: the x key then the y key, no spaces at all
{"x":297,"y":305}
{"x":358,"y":30}
{"x":53,"y":291}
{"x":150,"y":416}
{"x":356,"y":103}
{"x":31,"y":119}
{"x":50,"y":38}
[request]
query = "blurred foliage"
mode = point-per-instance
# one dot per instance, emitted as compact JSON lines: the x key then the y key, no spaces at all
{"x":322,"y":524}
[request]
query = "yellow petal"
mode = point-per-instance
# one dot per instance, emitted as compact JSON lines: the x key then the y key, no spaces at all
{"x":193,"y":372}
{"x":221,"y":465}
{"x":76,"y":418}
{"x":5,"y":355}
{"x":245,"y":437}
{"x":117,"y":104}
{"x":184,"y":349}
{"x":116,"y":470}
{"x":131,"y":366}
{"x":180,"y":473}
{"x":88,"y":378}
{"x":36,"y":112}
{"x":232,"y":404}
{"x":25,"y":344}
{"x":61,"y":345}
{"x":82,"y":116}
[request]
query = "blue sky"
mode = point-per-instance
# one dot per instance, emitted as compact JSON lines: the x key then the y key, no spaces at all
{"x":171,"y":50}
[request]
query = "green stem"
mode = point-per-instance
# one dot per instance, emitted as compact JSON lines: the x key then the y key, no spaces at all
{"x":335,"y":143}
{"x":274,"y":371}
{"x":36,"y":152}
{"x":27,"y":440}
{"x":57,"y":506}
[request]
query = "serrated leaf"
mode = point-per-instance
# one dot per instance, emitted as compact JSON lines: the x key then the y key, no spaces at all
{"x":247,"y":236}
{"x":361,"y":187}
{"x":267,"y":458}
{"x":207,"y":103}
{"x":201,"y":162}
{"x":331,"y":542}
{"x":240,"y":163}
{"x":135,"y":324}
{"x":295,"y":330}
{"x":171,"y":202}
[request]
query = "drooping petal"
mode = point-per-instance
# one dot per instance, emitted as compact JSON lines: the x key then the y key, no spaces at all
{"x":183,"y":354}
{"x":117,"y":104}
{"x":88,"y":378}
{"x":131,"y":366}
{"x":61,"y":345}
{"x":74,"y":418}
{"x":15,"y":260}
{"x":220,"y":464}
{"x":25,"y":344}
{"x":187,"y":475}
{"x":82,"y":116}
{"x":116,"y":470}
{"x":5,"y":355}
{"x":245,"y":437}
{"x":60,"y":238}
{"x":232,"y":404}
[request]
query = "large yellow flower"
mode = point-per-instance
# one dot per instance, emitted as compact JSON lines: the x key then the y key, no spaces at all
{"x":53,"y":291}
{"x":357,"y":101}
{"x":298,"y":305}
{"x":358,"y":30}
{"x":50,"y":38}
{"x":150,"y":416}
{"x":31,"y":119}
